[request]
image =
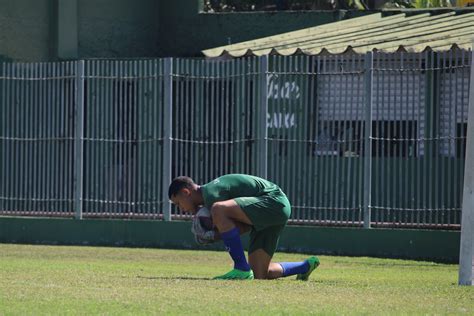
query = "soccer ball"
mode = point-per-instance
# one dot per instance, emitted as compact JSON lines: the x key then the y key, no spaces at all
{"x":205,"y":218}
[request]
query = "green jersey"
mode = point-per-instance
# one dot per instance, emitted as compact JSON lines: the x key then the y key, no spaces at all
{"x":232,"y":186}
{"x":264,"y":203}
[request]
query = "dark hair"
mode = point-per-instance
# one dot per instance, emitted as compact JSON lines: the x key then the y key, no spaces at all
{"x":178,"y":183}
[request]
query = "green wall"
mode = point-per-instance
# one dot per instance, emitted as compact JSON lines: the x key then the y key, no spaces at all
{"x":41,"y":30}
{"x":46,"y":30}
{"x":26,"y":28}
{"x":118,"y":28}
{"x":442,"y":246}
{"x":188,"y":32}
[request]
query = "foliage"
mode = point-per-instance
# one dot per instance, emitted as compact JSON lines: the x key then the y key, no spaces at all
{"x":278,"y":5}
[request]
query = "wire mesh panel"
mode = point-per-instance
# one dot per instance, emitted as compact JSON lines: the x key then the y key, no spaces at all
{"x":123,"y":128}
{"x":375,"y":139}
{"x":399,"y":98}
{"x":417,"y":130}
{"x":315,"y":121}
{"x":215,"y":118}
{"x":453,"y":103}
{"x":36,"y":138}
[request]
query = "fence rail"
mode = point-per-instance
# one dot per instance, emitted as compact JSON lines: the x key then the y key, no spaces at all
{"x":354,"y":140}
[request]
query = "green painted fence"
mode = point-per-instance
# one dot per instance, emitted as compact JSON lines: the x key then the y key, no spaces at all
{"x":354,"y":140}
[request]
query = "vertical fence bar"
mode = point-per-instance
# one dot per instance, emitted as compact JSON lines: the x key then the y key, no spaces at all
{"x":382,"y":112}
{"x":219,"y":149}
{"x":79,"y":158}
{"x":338,"y":69}
{"x":49,"y":151}
{"x":8,"y":143}
{"x":94,"y":128}
{"x":466,"y":260}
{"x":332,"y":139}
{"x":452,"y":133}
{"x":34,"y":131}
{"x":3,"y":135}
{"x":400,"y":155}
{"x":199,"y":110}
{"x":241,"y":103}
{"x":211,"y":132}
{"x":249,"y":117}
{"x":346,"y":140}
{"x":359,"y":128}
{"x":192,"y":119}
{"x":462,"y":111}
{"x":322,"y":140}
{"x":167,"y":151}
{"x":155,"y":103}
{"x":369,"y":62}
{"x":263,"y":148}
{"x":14,"y":127}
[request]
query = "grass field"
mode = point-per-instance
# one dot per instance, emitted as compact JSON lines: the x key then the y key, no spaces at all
{"x":90,"y":280}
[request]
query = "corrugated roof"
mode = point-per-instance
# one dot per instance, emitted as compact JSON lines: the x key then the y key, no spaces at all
{"x":389,"y":34}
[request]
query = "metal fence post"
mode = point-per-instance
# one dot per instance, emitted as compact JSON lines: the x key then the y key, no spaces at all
{"x":368,"y":79}
{"x":167,"y":121}
{"x":466,"y":256}
{"x":263,"y":106}
{"x":78,"y":140}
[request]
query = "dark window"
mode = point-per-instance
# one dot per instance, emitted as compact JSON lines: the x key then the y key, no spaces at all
{"x":394,"y":139}
{"x":461,"y":134}
{"x":346,"y":139}
{"x":339,"y":138}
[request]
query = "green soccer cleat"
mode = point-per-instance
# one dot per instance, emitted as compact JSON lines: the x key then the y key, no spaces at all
{"x":313,"y":264}
{"x":236,"y":274}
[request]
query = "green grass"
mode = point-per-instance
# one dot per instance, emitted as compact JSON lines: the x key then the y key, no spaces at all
{"x":90,"y":280}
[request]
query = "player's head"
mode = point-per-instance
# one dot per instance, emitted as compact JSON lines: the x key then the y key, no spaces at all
{"x":182,"y":192}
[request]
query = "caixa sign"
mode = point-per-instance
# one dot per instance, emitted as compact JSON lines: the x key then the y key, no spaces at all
{"x":283,"y":98}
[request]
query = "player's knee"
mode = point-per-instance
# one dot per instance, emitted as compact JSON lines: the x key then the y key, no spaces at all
{"x":259,"y":272}
{"x":272,"y":274}
{"x":260,"y":275}
{"x":218,"y":212}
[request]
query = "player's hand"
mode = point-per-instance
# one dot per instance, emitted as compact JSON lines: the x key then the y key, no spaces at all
{"x":201,"y":235}
{"x":196,"y":227}
{"x":208,"y":238}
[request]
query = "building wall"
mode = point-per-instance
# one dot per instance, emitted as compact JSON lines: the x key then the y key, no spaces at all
{"x":189,"y":31}
{"x":118,"y":28}
{"x":131,"y":29}
{"x":26,"y":29}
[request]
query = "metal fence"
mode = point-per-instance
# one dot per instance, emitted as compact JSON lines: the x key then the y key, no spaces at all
{"x":354,"y":140}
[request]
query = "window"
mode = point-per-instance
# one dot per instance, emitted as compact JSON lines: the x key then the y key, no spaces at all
{"x":394,"y":139}
{"x":461,"y":135}
{"x":346,"y":139}
{"x":339,"y":138}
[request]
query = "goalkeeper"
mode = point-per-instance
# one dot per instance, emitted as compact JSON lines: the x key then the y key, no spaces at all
{"x":239,"y":203}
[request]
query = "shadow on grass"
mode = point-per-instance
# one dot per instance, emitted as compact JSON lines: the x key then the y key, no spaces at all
{"x":173,"y":278}
{"x":390,"y":264}
{"x":326,"y":282}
